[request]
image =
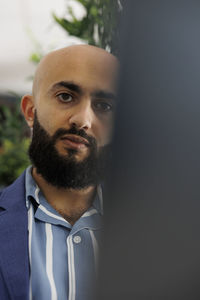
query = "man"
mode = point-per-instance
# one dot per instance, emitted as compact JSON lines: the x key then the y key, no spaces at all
{"x":50,"y":217}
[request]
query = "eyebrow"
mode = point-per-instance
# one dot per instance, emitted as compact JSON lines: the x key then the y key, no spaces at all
{"x":67,"y":84}
{"x":77,"y":88}
{"x":104,"y":95}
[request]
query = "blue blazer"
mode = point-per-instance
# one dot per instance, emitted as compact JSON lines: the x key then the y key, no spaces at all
{"x":14,"y":259}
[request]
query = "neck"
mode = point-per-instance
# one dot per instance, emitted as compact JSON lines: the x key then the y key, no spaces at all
{"x":70,"y":203}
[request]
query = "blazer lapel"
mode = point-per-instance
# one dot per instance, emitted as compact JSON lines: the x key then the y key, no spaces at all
{"x":14,"y":261}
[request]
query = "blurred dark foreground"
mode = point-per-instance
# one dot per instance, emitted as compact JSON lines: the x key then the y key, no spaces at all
{"x":151,"y":245}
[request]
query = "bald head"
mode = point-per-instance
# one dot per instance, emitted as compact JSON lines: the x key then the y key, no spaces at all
{"x":73,"y":57}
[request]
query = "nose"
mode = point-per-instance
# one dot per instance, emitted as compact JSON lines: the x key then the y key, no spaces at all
{"x":82,"y":116}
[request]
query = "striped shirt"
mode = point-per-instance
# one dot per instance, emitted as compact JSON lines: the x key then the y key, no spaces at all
{"x":63,"y":258}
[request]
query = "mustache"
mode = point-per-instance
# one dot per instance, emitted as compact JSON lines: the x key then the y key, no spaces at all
{"x":73,"y":130}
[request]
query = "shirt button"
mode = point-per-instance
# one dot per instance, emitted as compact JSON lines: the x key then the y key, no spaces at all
{"x":77,"y":239}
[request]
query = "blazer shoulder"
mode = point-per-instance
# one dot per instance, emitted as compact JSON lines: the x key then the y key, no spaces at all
{"x":13,"y":192}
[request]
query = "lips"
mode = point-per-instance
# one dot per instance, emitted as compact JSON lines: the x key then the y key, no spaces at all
{"x":75,"y":138}
{"x":74,"y":141}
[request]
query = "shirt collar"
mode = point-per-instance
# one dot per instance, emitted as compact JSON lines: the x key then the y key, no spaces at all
{"x":31,"y":186}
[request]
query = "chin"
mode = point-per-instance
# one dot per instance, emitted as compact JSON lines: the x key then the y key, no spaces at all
{"x":73,"y":154}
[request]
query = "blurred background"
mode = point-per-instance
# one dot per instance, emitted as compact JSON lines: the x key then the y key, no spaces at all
{"x":29,"y":30}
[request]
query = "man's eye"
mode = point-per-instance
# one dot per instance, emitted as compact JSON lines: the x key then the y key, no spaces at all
{"x":103,"y":106}
{"x":65,"y":97}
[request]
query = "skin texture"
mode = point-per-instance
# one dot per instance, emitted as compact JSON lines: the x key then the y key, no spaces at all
{"x":73,"y":86}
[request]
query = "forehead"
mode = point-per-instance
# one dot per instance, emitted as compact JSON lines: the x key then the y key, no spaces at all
{"x":94,"y":69}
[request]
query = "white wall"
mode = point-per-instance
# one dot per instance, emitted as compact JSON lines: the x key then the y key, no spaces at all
{"x":23,"y":24}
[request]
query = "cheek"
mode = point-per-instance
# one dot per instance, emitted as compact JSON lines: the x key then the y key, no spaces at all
{"x":105,"y":132}
{"x":47,"y":114}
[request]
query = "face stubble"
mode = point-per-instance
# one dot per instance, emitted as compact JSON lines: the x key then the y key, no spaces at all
{"x":64,"y":171}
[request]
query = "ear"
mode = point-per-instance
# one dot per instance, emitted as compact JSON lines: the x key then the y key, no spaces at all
{"x":28,"y":109}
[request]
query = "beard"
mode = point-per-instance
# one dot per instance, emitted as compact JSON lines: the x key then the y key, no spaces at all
{"x":64,"y":171}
